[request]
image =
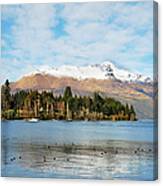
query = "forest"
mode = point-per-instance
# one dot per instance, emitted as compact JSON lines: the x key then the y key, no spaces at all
{"x":45,"y":105}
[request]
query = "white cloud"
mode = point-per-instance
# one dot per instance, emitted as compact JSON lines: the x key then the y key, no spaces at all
{"x":94,"y":32}
{"x":32,"y":29}
{"x":77,"y":12}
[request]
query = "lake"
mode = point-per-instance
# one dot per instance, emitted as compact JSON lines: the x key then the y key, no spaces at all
{"x":79,"y":149}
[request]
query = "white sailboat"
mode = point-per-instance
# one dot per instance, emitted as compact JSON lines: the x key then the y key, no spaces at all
{"x":33,"y":120}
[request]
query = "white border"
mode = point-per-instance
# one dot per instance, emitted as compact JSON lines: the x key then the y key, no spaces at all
{"x":49,"y":182}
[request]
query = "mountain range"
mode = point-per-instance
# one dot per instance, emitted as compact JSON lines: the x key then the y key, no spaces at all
{"x":105,"y":70}
{"x":106,"y":78}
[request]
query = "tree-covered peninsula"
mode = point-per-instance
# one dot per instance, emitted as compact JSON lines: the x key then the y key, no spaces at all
{"x":44,"y":105}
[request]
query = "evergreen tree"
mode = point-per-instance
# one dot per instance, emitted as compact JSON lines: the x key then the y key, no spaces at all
{"x":67,"y":93}
{"x":132,"y":109}
{"x":127,"y":109}
{"x":6,"y":96}
{"x":18,"y":99}
{"x":97,"y":102}
{"x":106,"y":109}
{"x":45,"y":106}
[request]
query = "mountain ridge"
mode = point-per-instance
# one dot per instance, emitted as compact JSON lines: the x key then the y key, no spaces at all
{"x":105,"y":70}
{"x":140,"y":95}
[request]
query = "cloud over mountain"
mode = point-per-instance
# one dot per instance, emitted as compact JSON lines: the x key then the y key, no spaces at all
{"x":76,"y":34}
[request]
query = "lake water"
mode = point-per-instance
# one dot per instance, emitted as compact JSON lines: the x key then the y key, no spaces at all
{"x":79,"y":149}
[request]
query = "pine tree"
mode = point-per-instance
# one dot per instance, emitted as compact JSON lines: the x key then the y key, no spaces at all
{"x":67,"y":93}
{"x":127,"y":109}
{"x":6,"y":96}
{"x":132,"y":109}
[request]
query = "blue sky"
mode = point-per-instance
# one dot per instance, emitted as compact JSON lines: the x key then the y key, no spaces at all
{"x":33,"y":35}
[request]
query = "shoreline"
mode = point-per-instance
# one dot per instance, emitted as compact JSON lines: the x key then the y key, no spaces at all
{"x":27,"y":119}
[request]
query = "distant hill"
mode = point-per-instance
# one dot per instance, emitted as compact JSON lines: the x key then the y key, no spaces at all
{"x":140,"y":94}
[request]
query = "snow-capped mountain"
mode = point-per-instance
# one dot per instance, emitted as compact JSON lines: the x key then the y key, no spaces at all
{"x":106,"y":70}
{"x":86,"y":80}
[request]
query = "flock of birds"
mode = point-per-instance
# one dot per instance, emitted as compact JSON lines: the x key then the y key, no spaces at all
{"x":44,"y":158}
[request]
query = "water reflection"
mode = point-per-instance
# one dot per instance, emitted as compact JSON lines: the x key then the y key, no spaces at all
{"x":91,"y":150}
{"x":114,"y":160}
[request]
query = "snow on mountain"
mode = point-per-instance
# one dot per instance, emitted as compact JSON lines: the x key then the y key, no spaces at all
{"x":106,"y":70}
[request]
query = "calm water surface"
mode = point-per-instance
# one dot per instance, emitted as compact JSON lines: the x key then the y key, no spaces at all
{"x":28,"y":149}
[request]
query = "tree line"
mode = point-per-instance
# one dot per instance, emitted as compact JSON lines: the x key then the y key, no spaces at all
{"x":44,"y":105}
